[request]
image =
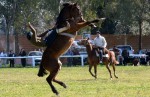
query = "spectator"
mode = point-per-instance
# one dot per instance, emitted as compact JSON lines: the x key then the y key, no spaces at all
{"x":0,"y":60}
{"x":69,"y":59}
{"x":76,"y":60}
{"x":3,"y":54}
{"x":22,"y":53}
{"x":11,"y":60}
{"x":125,"y":55}
{"x":117,"y":54}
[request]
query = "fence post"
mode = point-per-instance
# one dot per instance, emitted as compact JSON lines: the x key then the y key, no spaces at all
{"x":33,"y":62}
{"x":82,"y":62}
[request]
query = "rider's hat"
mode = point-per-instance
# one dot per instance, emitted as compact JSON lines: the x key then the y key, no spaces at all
{"x":98,"y":32}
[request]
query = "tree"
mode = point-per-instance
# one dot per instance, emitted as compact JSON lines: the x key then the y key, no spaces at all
{"x":141,"y":11}
{"x":7,"y":10}
{"x":130,"y":15}
{"x":12,"y":12}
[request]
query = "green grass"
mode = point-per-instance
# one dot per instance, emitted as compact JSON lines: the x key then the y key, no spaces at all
{"x":24,"y":82}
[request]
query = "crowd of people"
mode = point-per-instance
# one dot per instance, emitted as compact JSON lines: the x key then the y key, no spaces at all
{"x":72,"y":61}
{"x":11,"y":61}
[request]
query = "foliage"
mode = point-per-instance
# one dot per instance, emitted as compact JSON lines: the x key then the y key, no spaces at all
{"x":24,"y":82}
{"x":128,"y":14}
{"x":43,"y":13}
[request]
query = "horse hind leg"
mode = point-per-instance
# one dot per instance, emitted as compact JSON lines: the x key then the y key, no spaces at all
{"x":54,"y":71}
{"x":49,"y":80}
{"x":107,"y":66}
{"x":113,"y":65}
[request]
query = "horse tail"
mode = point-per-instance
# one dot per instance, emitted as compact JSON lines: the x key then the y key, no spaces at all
{"x":113,"y":58}
{"x":116,"y":62}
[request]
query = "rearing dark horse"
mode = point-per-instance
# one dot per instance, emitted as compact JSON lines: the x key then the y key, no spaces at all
{"x":50,"y":59}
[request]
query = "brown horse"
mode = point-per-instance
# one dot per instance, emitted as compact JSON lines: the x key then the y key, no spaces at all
{"x":93,"y":58}
{"x":50,"y":59}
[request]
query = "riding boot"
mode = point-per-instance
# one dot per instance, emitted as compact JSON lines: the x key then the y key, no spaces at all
{"x":100,"y":56}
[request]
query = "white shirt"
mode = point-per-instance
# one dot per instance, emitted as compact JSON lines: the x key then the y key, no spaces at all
{"x":100,"y":41}
{"x":2,"y":54}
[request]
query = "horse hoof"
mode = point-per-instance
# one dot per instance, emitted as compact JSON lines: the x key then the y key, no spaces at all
{"x":57,"y":94}
{"x":64,"y":85}
{"x":40,"y":75}
{"x":55,"y":91}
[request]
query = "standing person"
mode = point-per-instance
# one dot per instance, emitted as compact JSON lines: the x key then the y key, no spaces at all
{"x":76,"y":60}
{"x":22,"y":53}
{"x":69,"y":59}
{"x":118,"y":53}
{"x":11,"y":60}
{"x":3,"y":54}
{"x":125,"y":55}
{"x":100,"y":43}
{"x":0,"y":60}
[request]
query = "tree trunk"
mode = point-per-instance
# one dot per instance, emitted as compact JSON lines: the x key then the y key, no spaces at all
{"x":16,"y":43}
{"x":7,"y":39}
{"x":140,"y":34}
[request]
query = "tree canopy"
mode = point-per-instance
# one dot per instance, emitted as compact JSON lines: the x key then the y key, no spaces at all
{"x":122,"y":16}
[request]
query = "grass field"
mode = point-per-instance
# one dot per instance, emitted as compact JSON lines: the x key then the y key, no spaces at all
{"x":24,"y":82}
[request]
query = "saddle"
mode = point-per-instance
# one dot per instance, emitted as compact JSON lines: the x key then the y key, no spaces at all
{"x":104,"y":52}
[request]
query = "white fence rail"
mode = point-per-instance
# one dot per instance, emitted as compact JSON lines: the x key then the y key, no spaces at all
{"x":34,"y":57}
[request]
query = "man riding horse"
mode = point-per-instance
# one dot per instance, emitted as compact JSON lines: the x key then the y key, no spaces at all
{"x":100,"y":44}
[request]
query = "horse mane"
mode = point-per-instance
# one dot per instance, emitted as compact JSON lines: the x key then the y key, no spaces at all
{"x":65,"y":14}
{"x":62,"y":15}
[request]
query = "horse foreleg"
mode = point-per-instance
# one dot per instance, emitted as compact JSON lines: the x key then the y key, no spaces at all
{"x":95,"y":70}
{"x":107,"y":66}
{"x":113,"y":65}
{"x":90,"y":68}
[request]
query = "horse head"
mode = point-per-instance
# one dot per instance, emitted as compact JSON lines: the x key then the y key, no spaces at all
{"x":84,"y":42}
{"x":69,"y":10}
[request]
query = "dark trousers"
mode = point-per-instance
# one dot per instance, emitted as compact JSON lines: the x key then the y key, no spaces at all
{"x":12,"y":62}
{"x":69,"y":62}
{"x":125,"y":61}
{"x":50,"y":38}
{"x":101,"y":52}
{"x":23,"y":62}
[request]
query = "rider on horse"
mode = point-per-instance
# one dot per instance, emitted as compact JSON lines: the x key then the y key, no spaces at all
{"x":100,"y":44}
{"x":46,"y":38}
